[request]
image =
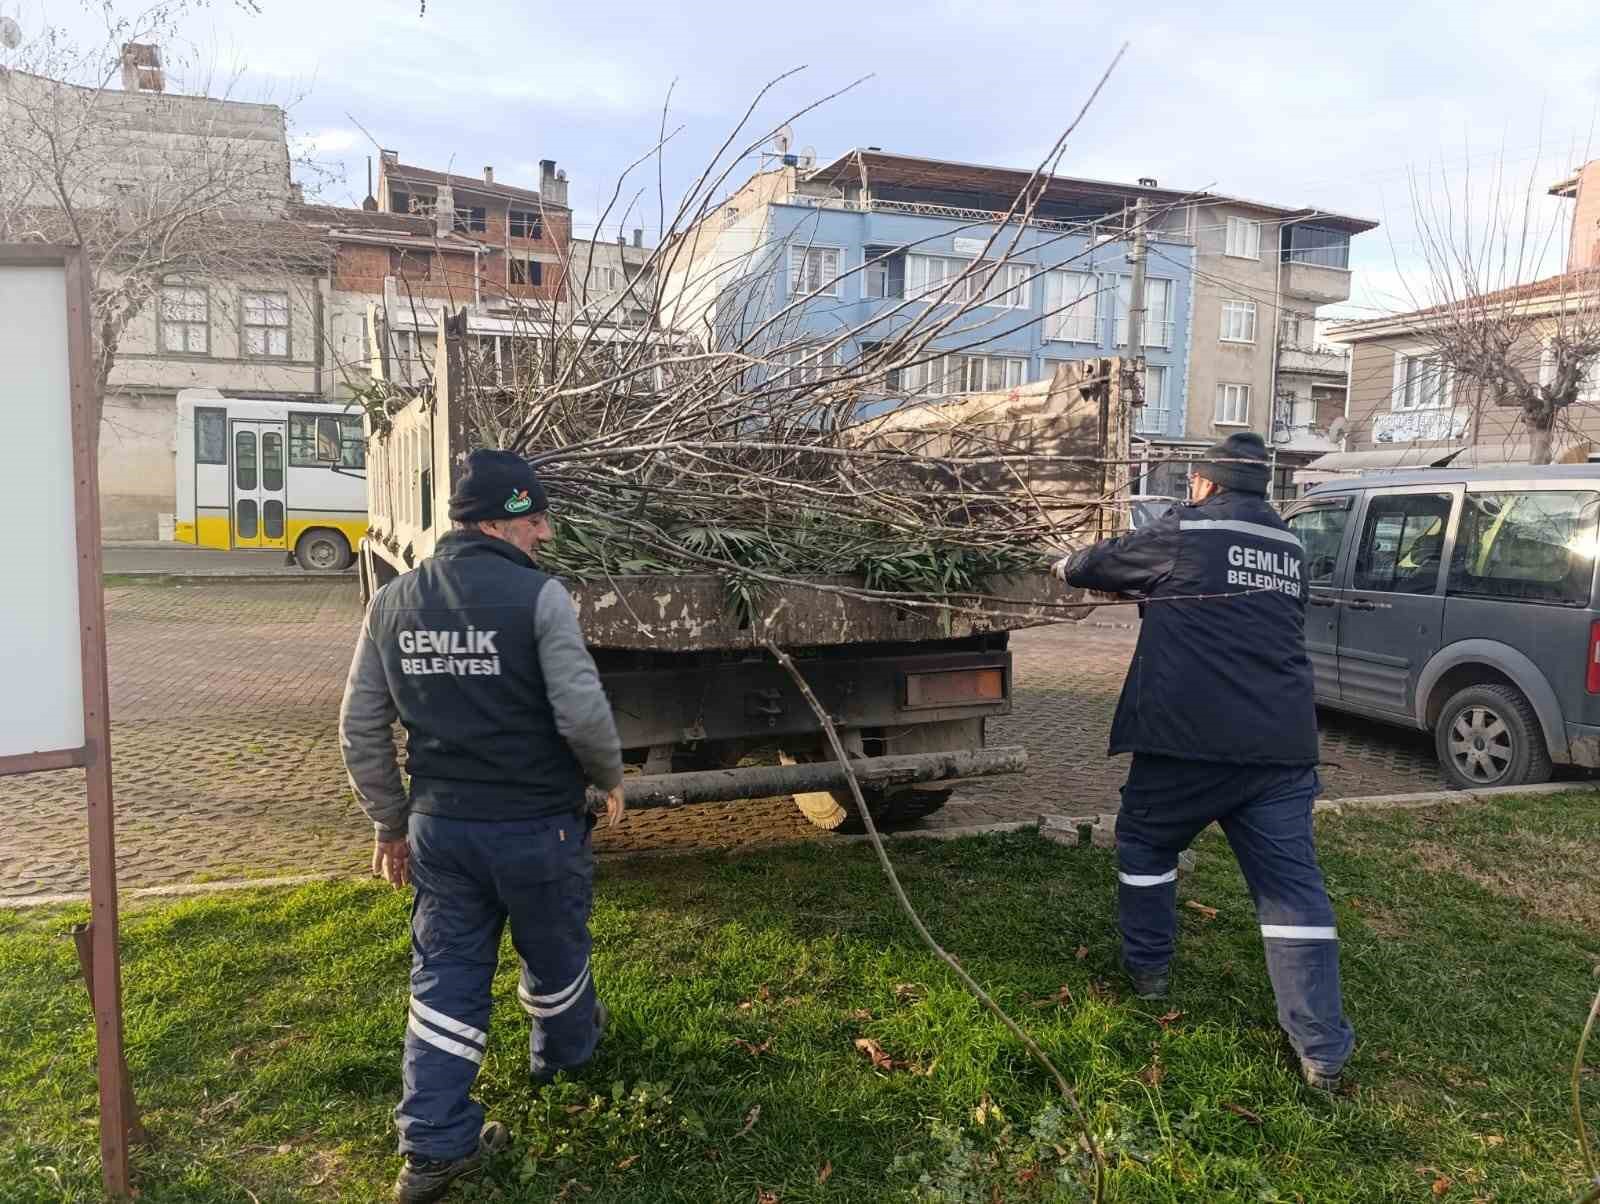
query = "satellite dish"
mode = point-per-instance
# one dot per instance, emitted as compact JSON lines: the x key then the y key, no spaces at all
{"x":783,"y":139}
{"x":808,"y":157}
{"x":10,"y":33}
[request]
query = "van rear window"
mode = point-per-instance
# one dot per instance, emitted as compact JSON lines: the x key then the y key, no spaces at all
{"x":1537,"y":546}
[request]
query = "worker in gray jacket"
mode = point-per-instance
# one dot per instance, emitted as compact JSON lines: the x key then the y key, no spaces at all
{"x":480,"y":657}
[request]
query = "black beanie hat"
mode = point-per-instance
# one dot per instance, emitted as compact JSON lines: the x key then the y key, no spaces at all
{"x":1238,"y":462}
{"x":496,"y":484}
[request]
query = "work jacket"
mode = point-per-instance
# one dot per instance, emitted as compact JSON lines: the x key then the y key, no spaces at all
{"x":1220,"y":672}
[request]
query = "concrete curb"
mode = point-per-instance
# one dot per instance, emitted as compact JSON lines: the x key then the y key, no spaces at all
{"x":299,"y":577}
{"x":1069,"y":830}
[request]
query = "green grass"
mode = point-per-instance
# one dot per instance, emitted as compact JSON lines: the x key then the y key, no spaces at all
{"x":264,"y":1032}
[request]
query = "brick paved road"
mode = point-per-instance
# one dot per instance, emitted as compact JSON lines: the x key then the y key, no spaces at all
{"x":226,"y":758}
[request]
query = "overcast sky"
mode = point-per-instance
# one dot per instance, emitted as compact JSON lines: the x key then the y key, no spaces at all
{"x":1335,"y":106}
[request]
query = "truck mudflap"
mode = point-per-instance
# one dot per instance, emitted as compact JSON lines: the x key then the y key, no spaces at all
{"x":766,"y":781}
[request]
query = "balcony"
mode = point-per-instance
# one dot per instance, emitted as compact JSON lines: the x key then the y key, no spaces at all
{"x":1313,"y":361}
{"x":1313,"y":282}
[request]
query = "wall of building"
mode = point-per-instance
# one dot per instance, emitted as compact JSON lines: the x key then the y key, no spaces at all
{"x":1583,"y":251}
{"x":1009,"y":332}
{"x":138,"y":419}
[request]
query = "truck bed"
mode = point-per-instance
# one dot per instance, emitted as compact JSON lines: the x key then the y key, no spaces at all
{"x":691,"y":613}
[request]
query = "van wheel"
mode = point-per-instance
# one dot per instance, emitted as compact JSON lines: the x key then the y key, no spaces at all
{"x":1489,"y":736}
{"x":322,"y":551}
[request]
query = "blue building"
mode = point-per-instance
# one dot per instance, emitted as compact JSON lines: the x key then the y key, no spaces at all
{"x":809,"y":268}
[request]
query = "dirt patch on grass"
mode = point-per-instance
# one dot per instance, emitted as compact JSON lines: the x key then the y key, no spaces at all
{"x":1554,"y":877}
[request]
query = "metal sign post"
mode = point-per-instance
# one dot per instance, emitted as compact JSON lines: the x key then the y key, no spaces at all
{"x":56,"y":713}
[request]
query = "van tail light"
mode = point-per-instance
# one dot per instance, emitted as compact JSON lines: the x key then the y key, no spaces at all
{"x":1593,"y":678}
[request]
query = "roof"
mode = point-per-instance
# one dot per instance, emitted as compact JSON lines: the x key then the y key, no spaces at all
{"x":423,"y":175}
{"x":1582,"y":283}
{"x":912,"y":171}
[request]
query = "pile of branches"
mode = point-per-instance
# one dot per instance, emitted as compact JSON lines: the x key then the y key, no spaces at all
{"x":737,"y":441}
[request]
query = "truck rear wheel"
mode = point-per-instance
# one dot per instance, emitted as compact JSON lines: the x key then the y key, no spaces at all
{"x":835,"y":810}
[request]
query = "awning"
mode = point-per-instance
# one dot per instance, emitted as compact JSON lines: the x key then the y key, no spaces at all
{"x":1335,"y":465}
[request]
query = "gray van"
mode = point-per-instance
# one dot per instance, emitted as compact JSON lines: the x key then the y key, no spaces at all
{"x":1461,"y":603}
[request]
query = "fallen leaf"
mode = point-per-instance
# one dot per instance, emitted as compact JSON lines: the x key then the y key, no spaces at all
{"x":1441,"y":1185}
{"x":1060,"y":999}
{"x":762,"y":993}
{"x":861,"y":1014}
{"x":1152,"y":1074}
{"x":627,"y":1162}
{"x":1243,"y":1113}
{"x":985,"y":1111}
{"x":755,"y":1051}
{"x":824,"y":1172}
{"x":763,"y":1196}
{"x":908,"y":992}
{"x":1493,"y":1140}
{"x":874,"y":1052}
{"x":1169,"y":1019}
{"x":1083,"y":952}
{"x":1210,"y":913}
{"x":749,"y":1121}
{"x":1027,"y":1174}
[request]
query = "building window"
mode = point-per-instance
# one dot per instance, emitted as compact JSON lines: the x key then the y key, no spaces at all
{"x":1244,"y":238}
{"x":526,"y":223}
{"x":1233,"y":405}
{"x":875,"y":282}
{"x":472,"y":221}
{"x":813,"y":270}
{"x":185,"y":320}
{"x":210,"y":436}
{"x":1152,"y":417}
{"x":411,"y":265}
{"x":930,"y":275}
{"x":527,"y":271}
{"x":1319,"y":246}
{"x":804,"y":366}
{"x":1421,"y":382}
{"x":964,"y":374}
{"x":1072,"y":304}
{"x":1238,"y":321}
{"x":416,"y":204}
{"x":1010,"y":288}
{"x":1158,"y":324}
{"x":1289,"y":330}
{"x":264,"y":318}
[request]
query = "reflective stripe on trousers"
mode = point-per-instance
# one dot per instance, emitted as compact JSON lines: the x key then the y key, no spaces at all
{"x":470,"y":879}
{"x":1271,"y":836}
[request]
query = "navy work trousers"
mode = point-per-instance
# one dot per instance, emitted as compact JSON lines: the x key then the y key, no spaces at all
{"x":1265,"y":812}
{"x":470,"y":877}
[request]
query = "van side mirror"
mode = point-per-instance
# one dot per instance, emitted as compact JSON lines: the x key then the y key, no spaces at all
{"x":328,"y":441}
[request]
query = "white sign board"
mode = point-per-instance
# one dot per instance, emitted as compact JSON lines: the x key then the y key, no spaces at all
{"x":41,"y":658}
{"x":1421,"y":426}
{"x":970,"y":246}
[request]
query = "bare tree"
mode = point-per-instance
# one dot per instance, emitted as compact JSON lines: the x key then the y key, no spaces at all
{"x":1504,"y":331}
{"x":194,"y":187}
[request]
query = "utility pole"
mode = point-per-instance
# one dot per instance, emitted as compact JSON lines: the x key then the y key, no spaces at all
{"x":1131,"y":385}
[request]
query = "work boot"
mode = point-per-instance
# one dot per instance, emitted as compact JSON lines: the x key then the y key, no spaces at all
{"x":1318,"y":1079}
{"x":424,"y":1180}
{"x":1148,"y":984}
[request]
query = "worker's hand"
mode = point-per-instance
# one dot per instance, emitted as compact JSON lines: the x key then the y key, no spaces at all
{"x":616,"y":806}
{"x":391,"y":860}
{"x":1059,"y":568}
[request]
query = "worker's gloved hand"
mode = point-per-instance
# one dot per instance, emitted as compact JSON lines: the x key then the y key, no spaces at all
{"x":391,"y":860}
{"x":616,"y":806}
{"x":1059,"y":568}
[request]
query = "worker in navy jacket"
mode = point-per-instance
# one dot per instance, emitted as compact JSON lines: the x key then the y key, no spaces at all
{"x":1217,"y":711}
{"x":479,"y":655}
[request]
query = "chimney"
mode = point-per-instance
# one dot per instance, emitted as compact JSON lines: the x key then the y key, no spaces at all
{"x":390,"y":158}
{"x":638,"y":237}
{"x":370,"y":205}
{"x":444,"y":214}
{"x":552,"y":183}
{"x":141,"y":68}
{"x":488,"y":175}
